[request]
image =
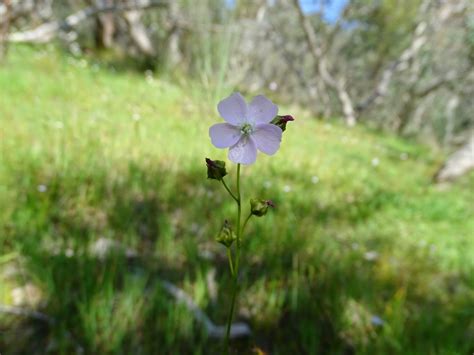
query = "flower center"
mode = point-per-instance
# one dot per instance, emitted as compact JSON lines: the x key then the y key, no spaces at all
{"x":246,"y":129}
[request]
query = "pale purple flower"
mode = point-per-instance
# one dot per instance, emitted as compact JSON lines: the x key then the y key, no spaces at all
{"x":247,"y":128}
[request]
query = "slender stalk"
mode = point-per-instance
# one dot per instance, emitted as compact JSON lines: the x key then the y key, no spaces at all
{"x":228,"y":190}
{"x":239,"y":199}
{"x":245,"y":223}
{"x":231,"y":313}
{"x":231,"y":263}
{"x":239,"y":215}
{"x":236,"y":265}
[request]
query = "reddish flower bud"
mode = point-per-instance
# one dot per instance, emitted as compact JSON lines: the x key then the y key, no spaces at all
{"x":281,"y":121}
{"x":215,"y":169}
{"x":259,"y":207}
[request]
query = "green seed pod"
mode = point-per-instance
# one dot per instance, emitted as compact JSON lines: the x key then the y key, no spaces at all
{"x":226,"y":236}
{"x":259,"y":207}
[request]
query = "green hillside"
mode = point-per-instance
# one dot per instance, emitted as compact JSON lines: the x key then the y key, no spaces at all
{"x":362,"y":252}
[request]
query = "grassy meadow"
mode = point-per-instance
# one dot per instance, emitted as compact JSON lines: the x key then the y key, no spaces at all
{"x":362,"y":254}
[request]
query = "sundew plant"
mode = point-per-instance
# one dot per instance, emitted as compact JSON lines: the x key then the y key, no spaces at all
{"x":249,"y":128}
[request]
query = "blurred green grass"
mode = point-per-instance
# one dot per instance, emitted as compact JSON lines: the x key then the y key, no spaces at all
{"x":359,"y":233}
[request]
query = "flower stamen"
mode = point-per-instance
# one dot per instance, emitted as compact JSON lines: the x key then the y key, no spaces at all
{"x":246,"y":129}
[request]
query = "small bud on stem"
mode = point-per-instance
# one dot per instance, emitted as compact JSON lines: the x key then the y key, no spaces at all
{"x":215,"y":169}
{"x":281,"y":121}
{"x":226,"y":236}
{"x":259,"y":207}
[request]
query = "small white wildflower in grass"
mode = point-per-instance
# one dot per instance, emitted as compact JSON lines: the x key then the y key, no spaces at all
{"x":375,"y":162}
{"x":247,"y":128}
{"x":287,"y":188}
{"x":273,"y":86}
{"x":371,"y":255}
{"x":136,"y":116}
{"x":315,"y":179}
{"x":42,"y":188}
{"x":267,"y":184}
{"x":69,"y":253}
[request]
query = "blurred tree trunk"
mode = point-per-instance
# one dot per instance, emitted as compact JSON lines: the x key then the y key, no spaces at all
{"x":414,"y":95}
{"x":402,"y":62}
{"x":138,"y":33}
{"x":5,"y":29}
{"x":459,"y":163}
{"x":409,"y":99}
{"x":337,"y":84}
{"x":48,"y":31}
{"x":105,"y":26}
{"x":453,"y":103}
{"x":174,"y":53}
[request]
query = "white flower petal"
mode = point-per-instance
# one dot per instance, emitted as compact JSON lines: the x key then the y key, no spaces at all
{"x":224,"y":135}
{"x":244,"y":152}
{"x":267,"y":138}
{"x":233,"y":109}
{"x":262,"y":110}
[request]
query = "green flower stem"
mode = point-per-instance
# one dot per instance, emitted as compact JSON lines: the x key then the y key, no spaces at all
{"x":239,"y":215}
{"x":245,"y":223}
{"x":235,"y":273}
{"x":239,"y":198}
{"x":228,"y":190}
{"x":231,"y":313}
{"x":231,"y":263}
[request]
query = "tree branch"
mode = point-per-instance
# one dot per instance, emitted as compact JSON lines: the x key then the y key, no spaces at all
{"x":338,"y":85}
{"x":458,"y":164}
{"x":138,"y":33}
{"x":5,"y":29}
{"x":448,"y":79}
{"x":419,"y":40}
{"x":48,"y":31}
{"x":17,"y":311}
{"x":237,"y":330}
{"x":16,"y":10}
{"x":32,"y":314}
{"x":381,"y":89}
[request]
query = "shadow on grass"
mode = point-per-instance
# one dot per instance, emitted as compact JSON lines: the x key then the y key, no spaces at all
{"x":297,"y":298}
